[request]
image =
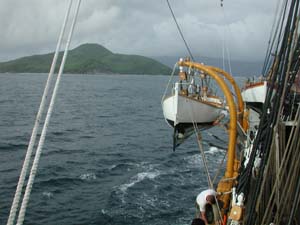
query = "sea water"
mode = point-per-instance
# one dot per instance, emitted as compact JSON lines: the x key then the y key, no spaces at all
{"x":107,"y":157}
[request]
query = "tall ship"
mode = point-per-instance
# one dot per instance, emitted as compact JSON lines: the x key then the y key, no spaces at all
{"x":261,"y":182}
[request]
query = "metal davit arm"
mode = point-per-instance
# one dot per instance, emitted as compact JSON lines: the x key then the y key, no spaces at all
{"x":236,"y":89}
{"x":225,"y":184}
{"x":232,"y":110}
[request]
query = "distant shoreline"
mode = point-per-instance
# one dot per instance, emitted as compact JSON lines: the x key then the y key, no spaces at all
{"x":88,"y":74}
{"x":87,"y":59}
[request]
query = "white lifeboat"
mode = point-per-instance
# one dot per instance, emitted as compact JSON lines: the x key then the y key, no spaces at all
{"x":182,"y":109}
{"x":255,"y":92}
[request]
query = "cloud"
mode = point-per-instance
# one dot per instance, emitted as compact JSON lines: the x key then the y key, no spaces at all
{"x":140,"y":27}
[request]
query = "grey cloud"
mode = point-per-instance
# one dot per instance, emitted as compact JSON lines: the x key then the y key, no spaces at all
{"x":140,"y":27}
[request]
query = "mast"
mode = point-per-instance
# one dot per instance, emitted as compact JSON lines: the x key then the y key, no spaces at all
{"x":272,"y":187}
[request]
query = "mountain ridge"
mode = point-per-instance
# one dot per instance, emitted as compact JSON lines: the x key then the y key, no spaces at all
{"x":238,"y":67}
{"x":89,"y":58}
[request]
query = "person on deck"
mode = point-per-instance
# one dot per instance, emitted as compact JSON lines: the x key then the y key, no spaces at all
{"x":205,"y":198}
{"x":198,"y":221}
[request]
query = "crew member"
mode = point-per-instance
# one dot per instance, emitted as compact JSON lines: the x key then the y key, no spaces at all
{"x":198,"y":221}
{"x":205,"y":198}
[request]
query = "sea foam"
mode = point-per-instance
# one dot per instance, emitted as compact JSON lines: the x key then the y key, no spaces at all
{"x":88,"y":176}
{"x":138,"y":178}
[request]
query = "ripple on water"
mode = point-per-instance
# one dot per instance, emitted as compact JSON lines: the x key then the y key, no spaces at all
{"x":193,"y":160}
{"x":88,"y":176}
{"x":105,"y":137}
{"x":47,"y":195}
{"x":138,"y":178}
{"x":214,"y":150}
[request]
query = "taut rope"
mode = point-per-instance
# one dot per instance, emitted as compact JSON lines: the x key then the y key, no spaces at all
{"x":24,"y":170}
{"x":27,"y":160}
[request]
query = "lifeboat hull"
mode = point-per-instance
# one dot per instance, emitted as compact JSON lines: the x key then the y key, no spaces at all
{"x":186,"y":110}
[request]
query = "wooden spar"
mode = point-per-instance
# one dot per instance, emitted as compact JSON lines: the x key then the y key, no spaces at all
{"x":232,"y":110}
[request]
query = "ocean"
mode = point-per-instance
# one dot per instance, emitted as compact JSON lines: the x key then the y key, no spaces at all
{"x":107,"y":157}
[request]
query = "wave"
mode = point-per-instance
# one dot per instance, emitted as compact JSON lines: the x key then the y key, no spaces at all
{"x":12,"y":146}
{"x":194,"y":160}
{"x":87,"y":137}
{"x":88,"y":176}
{"x":57,"y":133}
{"x":61,"y":181}
{"x":138,"y":178}
{"x":123,"y":166}
{"x":3,"y":101}
{"x":47,"y":194}
{"x":63,"y":151}
{"x":213,"y":150}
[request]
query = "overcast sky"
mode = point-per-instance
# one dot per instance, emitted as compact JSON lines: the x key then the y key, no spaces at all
{"x":142,"y":27}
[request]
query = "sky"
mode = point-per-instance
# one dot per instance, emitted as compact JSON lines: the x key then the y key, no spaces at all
{"x":141,"y":27}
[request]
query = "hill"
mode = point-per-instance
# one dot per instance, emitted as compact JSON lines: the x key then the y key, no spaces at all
{"x":87,"y":58}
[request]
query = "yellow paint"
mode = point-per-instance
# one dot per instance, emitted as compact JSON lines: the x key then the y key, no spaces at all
{"x":245,"y":124}
{"x":236,"y":89}
{"x":226,"y":184}
{"x":224,"y":187}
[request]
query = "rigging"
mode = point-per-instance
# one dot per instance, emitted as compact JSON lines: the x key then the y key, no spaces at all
{"x":180,"y":32}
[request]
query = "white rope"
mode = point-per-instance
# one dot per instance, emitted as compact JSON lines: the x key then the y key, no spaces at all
{"x":219,"y":168}
{"x":44,"y":131}
{"x":225,"y":40}
{"x":24,"y":170}
{"x":172,"y":74}
{"x":229,"y":61}
{"x":223,"y":46}
{"x":210,"y":184}
{"x":225,"y":37}
{"x":199,"y":138}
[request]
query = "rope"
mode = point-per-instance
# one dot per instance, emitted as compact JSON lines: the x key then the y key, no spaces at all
{"x":215,"y":136}
{"x":223,"y":47}
{"x":284,"y":166}
{"x":295,"y":203}
{"x":273,"y":33}
{"x":193,"y":121}
{"x":225,"y":193}
{"x":225,"y":44}
{"x":180,"y":32}
{"x":210,"y":184}
{"x":272,"y":106}
{"x":172,"y":74}
{"x":199,"y":138}
{"x":229,"y":62}
{"x":229,"y":179}
{"x":44,"y":131}
{"x":219,"y":168}
{"x":16,"y":200}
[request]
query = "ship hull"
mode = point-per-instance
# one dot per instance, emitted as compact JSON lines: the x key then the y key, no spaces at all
{"x":185,"y":110}
{"x":255,"y":93}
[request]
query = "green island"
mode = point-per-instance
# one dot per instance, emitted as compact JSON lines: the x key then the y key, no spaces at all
{"x":87,"y":59}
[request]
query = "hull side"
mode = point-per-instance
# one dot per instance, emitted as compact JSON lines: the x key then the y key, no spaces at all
{"x":255,"y":93}
{"x":184,"y":110}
